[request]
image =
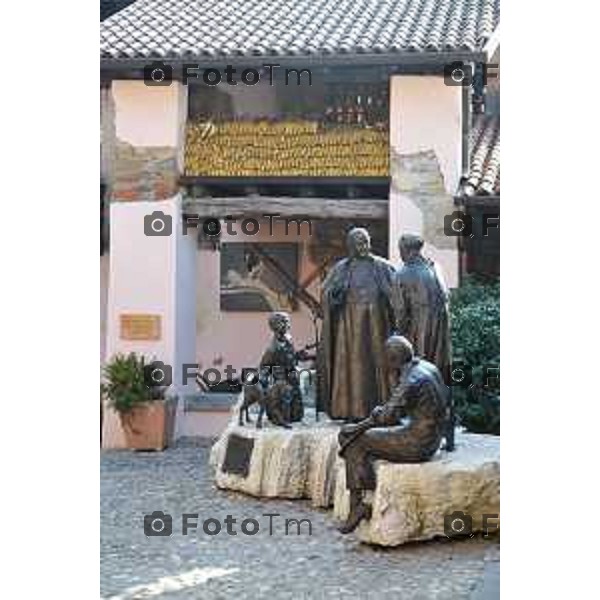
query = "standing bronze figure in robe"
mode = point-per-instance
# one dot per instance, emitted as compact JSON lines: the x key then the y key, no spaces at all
{"x":358,"y":318}
{"x":421,"y":307}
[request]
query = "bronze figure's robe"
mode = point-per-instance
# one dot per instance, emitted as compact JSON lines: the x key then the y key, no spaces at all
{"x":421,"y":307}
{"x":358,"y":318}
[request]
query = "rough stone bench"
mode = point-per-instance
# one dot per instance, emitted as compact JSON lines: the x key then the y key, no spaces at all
{"x":285,"y":463}
{"x":410,"y":501}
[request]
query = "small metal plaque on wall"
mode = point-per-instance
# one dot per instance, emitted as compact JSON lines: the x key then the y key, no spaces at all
{"x":139,"y":327}
{"x":238,"y":455}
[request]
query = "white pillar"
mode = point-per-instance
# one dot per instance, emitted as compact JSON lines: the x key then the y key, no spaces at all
{"x":426,"y":146}
{"x":149,"y":274}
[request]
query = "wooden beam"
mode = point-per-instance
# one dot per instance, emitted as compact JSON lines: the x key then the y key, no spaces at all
{"x":315,"y":208}
{"x":191,"y":180}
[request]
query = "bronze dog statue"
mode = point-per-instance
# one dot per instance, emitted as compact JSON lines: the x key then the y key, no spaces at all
{"x":269,"y":402}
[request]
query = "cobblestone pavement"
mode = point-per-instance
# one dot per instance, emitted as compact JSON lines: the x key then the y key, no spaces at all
{"x":323,"y":565}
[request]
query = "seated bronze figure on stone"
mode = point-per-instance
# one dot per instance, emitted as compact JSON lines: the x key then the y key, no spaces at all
{"x":408,"y":428}
{"x":278,"y":390}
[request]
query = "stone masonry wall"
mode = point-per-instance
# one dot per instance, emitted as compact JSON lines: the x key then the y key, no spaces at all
{"x":418,"y":177}
{"x":146,"y":173}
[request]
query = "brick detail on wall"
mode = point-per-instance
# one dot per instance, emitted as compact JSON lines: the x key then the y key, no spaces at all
{"x":418,"y":177}
{"x":107,"y":136}
{"x":144,"y":173}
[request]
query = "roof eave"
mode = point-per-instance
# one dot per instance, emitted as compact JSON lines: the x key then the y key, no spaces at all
{"x":427,"y":61}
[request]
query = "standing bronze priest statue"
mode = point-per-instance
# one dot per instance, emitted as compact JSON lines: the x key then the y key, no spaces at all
{"x":408,"y":428}
{"x":421,"y":307}
{"x":357,"y":320}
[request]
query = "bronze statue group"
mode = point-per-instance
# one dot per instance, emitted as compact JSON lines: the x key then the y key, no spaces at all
{"x":383,"y":363}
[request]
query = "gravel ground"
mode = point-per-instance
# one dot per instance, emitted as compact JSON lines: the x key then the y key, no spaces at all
{"x":268,"y":564}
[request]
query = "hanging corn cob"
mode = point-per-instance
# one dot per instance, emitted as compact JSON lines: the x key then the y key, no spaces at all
{"x":285,"y":148}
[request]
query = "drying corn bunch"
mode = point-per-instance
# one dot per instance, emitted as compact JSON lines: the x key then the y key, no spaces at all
{"x":284,"y":148}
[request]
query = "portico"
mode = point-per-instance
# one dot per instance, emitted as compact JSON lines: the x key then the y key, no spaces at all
{"x":389,"y":136}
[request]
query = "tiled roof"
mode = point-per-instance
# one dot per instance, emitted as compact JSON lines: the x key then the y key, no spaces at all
{"x":484,"y":172}
{"x":110,"y":7}
{"x":233,"y":28}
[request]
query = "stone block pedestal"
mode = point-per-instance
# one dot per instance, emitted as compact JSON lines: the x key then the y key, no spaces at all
{"x":410,"y":501}
{"x":285,"y":463}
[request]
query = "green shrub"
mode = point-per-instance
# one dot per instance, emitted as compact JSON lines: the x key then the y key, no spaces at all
{"x":125,"y":385}
{"x":475,"y":319}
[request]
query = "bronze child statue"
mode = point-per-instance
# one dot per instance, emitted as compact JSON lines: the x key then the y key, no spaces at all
{"x":408,"y":428}
{"x":278,"y":390}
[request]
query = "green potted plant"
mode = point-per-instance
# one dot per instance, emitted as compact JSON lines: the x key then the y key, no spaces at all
{"x":146,"y":415}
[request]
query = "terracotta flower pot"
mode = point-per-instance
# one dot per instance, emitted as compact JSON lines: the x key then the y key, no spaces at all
{"x":149,"y":426}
